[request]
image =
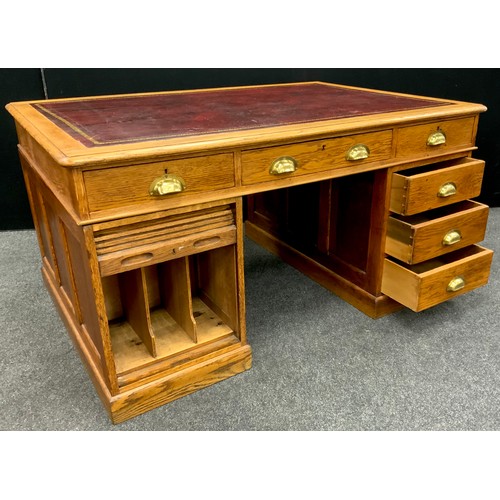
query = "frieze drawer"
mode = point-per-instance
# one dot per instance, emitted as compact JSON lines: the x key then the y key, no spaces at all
{"x":436,"y":138}
{"x":270,"y":164}
{"x":157,"y":182}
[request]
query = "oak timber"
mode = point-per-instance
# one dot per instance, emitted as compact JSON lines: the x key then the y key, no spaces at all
{"x":151,"y":288}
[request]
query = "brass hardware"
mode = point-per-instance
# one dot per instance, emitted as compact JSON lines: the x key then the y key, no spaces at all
{"x":436,"y":138}
{"x":455,"y":284}
{"x":357,"y":152}
{"x":167,"y":184}
{"x":452,"y":237}
{"x":447,"y":189}
{"x":283,"y":165}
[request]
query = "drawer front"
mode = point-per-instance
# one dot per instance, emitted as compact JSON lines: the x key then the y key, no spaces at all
{"x":315,"y":156}
{"x":139,"y":244}
{"x":418,"y":190}
{"x":122,"y":186}
{"x":436,"y":138}
{"x":424,"y":236}
{"x":424,"y":285}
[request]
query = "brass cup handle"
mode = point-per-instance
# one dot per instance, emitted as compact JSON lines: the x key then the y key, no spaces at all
{"x":167,"y":184}
{"x":357,"y":152}
{"x":447,"y":189}
{"x":451,"y":237}
{"x":436,"y":138}
{"x":283,"y":165}
{"x":456,"y":284}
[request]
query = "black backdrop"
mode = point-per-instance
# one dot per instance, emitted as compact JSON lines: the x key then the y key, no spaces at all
{"x":474,"y":85}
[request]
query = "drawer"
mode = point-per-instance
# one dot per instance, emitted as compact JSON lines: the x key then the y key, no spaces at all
{"x":424,"y":285}
{"x":304,"y":158}
{"x":139,"y":244}
{"x":435,"y":138}
{"x":122,"y":186}
{"x":420,"y":237}
{"x":436,"y":185}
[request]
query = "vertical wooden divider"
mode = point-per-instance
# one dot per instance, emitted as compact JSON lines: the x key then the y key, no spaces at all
{"x":134,"y":295}
{"x":175,"y":291}
{"x":217,"y":282}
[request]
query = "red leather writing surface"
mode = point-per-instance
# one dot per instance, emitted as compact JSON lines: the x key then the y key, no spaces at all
{"x":120,"y":120}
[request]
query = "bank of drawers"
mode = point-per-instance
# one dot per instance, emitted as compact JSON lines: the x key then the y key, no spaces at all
{"x":432,"y":234}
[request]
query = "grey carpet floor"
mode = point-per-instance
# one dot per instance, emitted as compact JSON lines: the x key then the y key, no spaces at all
{"x":318,"y":363}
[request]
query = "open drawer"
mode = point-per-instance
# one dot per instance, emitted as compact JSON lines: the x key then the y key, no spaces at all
{"x":424,"y":188}
{"x":424,"y":285}
{"x":415,"y":238}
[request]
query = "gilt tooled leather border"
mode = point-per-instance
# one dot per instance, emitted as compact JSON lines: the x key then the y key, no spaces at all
{"x":128,"y":119}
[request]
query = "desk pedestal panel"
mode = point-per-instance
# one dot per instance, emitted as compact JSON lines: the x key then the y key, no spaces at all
{"x":147,"y":333}
{"x":333,"y":231}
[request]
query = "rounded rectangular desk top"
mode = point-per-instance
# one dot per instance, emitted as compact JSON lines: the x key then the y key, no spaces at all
{"x":104,"y":129}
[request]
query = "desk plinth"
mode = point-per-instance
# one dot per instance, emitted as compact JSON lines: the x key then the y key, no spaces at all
{"x":138,"y":202}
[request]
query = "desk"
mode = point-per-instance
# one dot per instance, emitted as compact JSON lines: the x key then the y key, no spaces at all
{"x":140,"y":204}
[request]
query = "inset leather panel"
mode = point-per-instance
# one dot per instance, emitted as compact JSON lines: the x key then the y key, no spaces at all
{"x":128,"y":119}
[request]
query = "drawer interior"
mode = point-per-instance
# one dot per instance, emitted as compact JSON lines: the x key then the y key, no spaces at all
{"x":437,"y":213}
{"x":424,"y":285}
{"x":433,"y":186}
{"x":433,"y":167}
{"x":419,"y":237}
{"x":437,"y":263}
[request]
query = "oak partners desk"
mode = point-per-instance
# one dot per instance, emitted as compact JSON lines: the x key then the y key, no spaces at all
{"x":138,"y":206}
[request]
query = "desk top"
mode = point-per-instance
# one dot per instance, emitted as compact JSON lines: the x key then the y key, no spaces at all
{"x":94,"y":129}
{"x":120,"y":120}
